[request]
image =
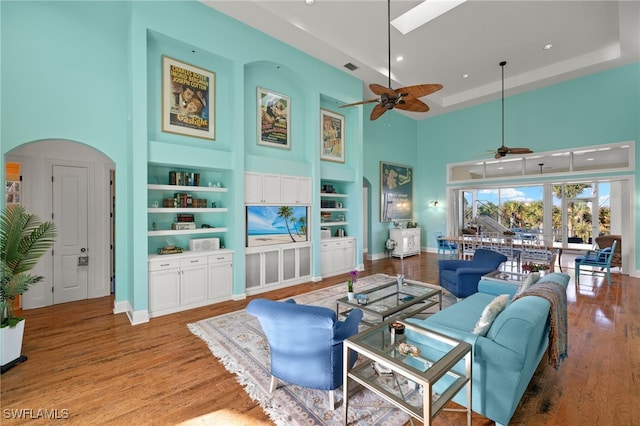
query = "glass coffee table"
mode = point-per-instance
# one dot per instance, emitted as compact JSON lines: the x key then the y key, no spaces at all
{"x":406,"y":379}
{"x":392,"y":300}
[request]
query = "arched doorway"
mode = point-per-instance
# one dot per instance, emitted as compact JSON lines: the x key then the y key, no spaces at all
{"x":72,"y":184}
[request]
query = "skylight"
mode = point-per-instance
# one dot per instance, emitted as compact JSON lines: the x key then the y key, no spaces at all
{"x":426,"y":11}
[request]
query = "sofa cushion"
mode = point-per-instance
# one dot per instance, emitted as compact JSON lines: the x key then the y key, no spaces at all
{"x":532,"y":278}
{"x":490,"y":313}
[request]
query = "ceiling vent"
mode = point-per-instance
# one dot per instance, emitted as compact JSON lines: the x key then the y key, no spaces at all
{"x":350,"y":66}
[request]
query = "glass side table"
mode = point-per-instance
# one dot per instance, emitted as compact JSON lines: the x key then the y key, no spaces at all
{"x":404,"y":380}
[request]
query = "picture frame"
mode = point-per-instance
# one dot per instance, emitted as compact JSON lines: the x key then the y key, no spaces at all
{"x":188,"y":99}
{"x":273,"y":119}
{"x":332,"y":136}
{"x":396,"y":192}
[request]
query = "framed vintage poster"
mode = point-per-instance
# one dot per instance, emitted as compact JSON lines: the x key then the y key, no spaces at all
{"x":332,"y":136}
{"x":396,"y":188}
{"x":188,"y":99}
{"x":273,"y":119}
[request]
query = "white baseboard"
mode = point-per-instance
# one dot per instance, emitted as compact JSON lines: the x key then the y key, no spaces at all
{"x":135,"y":317}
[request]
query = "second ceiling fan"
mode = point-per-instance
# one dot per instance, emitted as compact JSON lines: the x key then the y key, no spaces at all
{"x":405,"y":98}
{"x":502,"y":151}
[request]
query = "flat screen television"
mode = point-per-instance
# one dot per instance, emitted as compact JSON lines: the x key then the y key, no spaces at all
{"x":267,"y":225}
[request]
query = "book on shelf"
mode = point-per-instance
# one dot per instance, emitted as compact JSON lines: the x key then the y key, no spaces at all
{"x":184,"y":178}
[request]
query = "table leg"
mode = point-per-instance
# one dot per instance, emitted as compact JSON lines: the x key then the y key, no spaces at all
{"x":560,"y":258}
{"x":345,"y":382}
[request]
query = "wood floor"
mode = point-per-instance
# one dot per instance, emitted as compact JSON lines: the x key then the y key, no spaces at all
{"x":92,"y":367}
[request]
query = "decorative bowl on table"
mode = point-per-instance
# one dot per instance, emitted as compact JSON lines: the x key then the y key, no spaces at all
{"x":362,"y":299}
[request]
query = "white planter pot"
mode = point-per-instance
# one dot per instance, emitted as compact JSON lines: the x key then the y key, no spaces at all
{"x":11,"y":342}
{"x":351,"y":295}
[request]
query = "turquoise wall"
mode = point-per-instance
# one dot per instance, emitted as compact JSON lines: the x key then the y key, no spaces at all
{"x":90,"y":72}
{"x":597,"y":109}
{"x":391,"y":138}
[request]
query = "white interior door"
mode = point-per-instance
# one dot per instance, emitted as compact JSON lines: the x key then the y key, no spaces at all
{"x":70,"y":214}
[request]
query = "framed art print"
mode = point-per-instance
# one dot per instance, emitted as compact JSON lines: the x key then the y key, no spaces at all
{"x":188,"y":99}
{"x":332,"y":136}
{"x":273,"y":119}
{"x":396,"y":192}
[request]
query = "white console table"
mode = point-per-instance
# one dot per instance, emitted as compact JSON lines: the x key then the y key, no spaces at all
{"x":407,"y":241}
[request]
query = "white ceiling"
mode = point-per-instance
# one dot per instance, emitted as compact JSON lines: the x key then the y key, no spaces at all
{"x":587,"y":37}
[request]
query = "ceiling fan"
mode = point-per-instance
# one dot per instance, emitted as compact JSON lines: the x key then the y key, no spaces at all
{"x":504,"y":150}
{"x":405,"y":98}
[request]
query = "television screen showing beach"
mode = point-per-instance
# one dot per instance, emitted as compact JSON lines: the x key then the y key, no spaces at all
{"x":276,"y":225}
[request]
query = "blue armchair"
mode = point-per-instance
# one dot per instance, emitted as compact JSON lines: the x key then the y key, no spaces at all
{"x":461,"y":277}
{"x":305,"y":343}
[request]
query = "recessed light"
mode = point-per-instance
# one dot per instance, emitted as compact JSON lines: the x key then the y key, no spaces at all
{"x":399,"y":58}
{"x":465,"y":75}
{"x":309,"y":1}
{"x":548,"y":46}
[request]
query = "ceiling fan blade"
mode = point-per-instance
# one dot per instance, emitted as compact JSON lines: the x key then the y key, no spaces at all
{"x":412,"y":104}
{"x":486,"y":154}
{"x":368,"y":101}
{"x":420,"y":90}
{"x":377,"y":111}
{"x":379,"y":90}
{"x":520,"y":151}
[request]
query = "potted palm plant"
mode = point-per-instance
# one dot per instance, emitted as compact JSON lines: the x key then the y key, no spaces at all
{"x":24,"y":238}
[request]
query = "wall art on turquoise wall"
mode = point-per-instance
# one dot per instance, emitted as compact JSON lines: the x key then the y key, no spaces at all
{"x":332,"y":137}
{"x":273,"y":119}
{"x":188,"y":99}
{"x":396,"y":188}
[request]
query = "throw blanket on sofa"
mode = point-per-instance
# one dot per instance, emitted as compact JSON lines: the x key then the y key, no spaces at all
{"x":557,"y":297}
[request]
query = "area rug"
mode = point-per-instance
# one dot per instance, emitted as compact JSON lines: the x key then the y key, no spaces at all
{"x":236,"y":339}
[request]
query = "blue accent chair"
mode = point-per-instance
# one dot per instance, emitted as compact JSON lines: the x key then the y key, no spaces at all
{"x":461,"y":277}
{"x":305,"y":343}
{"x":445,"y":246}
{"x":597,"y":259}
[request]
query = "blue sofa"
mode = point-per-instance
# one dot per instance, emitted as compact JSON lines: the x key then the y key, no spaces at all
{"x":461,"y":277}
{"x":505,"y":359}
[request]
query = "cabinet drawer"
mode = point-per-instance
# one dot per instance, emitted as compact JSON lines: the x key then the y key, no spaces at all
{"x":193,"y":261}
{"x":221,"y":258}
{"x":164,"y":264}
{"x":326,"y":246}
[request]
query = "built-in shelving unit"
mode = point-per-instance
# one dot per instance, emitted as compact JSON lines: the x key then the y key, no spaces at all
{"x":209,"y":220}
{"x":333,"y":211}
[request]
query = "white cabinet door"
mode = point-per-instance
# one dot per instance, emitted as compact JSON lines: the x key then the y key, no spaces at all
{"x":262,"y":268}
{"x":193,"y":282}
{"x":289,"y":189}
{"x":296,"y":262}
{"x":304,"y":190}
{"x":253,"y":270}
{"x":271,"y":190}
{"x":339,"y":261}
{"x":164,"y":289}
{"x":326,"y":258}
{"x":304,"y":261}
{"x":220,"y":276}
{"x":253,"y":188}
{"x":261,"y":188}
{"x":296,"y":190}
{"x":350,"y":253}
